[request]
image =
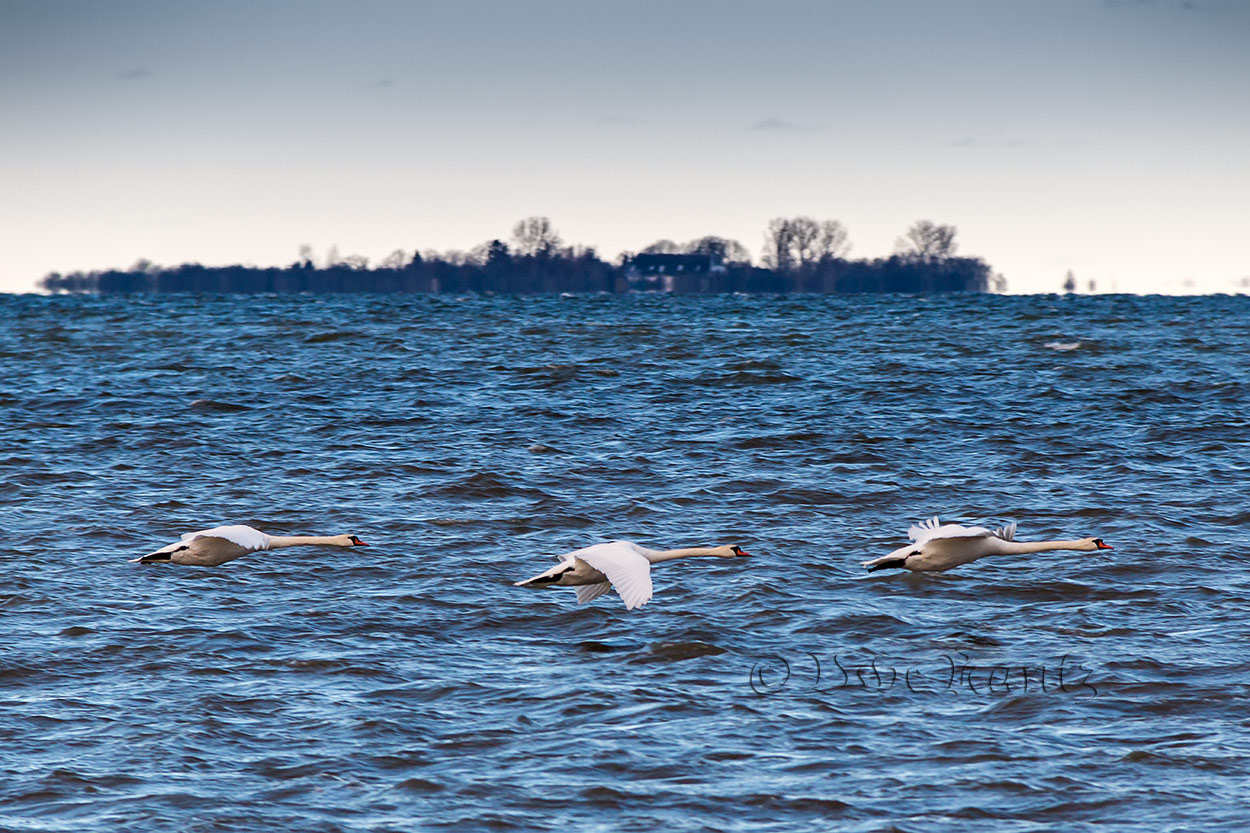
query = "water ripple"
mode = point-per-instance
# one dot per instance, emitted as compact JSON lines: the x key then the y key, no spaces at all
{"x":470,"y":440}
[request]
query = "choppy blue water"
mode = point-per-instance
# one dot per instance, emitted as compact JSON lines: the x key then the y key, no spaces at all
{"x":410,"y":686}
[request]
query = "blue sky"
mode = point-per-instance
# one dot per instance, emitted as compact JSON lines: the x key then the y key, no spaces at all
{"x":1103,"y":136}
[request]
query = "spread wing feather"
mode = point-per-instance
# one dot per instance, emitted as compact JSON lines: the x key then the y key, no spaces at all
{"x":933,"y":529}
{"x":626,"y":568}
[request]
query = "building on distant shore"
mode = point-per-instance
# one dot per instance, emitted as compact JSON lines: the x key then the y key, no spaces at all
{"x":661,"y":271}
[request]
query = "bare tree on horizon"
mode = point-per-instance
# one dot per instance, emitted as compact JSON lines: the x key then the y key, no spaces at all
{"x":664,"y":247}
{"x":536,"y":237}
{"x":778,"y":245}
{"x":926,"y":240}
{"x":729,"y":251}
{"x":790,"y":243}
{"x":395,"y":260}
{"x":726,"y":250}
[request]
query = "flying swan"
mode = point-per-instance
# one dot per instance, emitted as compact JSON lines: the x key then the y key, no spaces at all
{"x":210,"y":547}
{"x":938,"y":546}
{"x":622,"y":565}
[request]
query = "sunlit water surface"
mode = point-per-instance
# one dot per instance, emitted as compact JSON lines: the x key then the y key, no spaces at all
{"x":411,"y":686}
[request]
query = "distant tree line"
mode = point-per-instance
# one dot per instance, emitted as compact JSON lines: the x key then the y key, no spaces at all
{"x":800,"y":255}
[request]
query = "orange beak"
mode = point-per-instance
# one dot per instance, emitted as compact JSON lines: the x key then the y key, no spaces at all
{"x":1103,"y":546}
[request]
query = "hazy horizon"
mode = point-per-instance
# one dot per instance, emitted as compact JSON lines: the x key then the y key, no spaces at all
{"x":1106,"y":138}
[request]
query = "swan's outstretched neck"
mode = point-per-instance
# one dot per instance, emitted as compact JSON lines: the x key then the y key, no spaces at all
{"x":1026,"y":547}
{"x":279,"y":541}
{"x":656,"y":556}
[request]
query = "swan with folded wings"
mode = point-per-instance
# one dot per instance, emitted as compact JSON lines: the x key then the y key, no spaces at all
{"x":210,"y":547}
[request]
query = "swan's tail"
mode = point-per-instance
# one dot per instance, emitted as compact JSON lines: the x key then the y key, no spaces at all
{"x":165,"y":553}
{"x":885,"y":562}
{"x":547,"y":577}
{"x":896,"y":559}
{"x":153,"y":558}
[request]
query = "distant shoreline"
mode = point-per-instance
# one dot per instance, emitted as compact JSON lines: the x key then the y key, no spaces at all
{"x":802,"y":255}
{"x":539,"y":274}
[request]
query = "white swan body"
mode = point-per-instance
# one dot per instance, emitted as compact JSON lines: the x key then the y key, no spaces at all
{"x":210,"y":547}
{"x":622,"y":565}
{"x":936,"y":546}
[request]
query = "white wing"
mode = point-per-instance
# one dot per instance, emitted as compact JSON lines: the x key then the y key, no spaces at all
{"x":625,"y":567}
{"x":244,"y":536}
{"x":1007,"y":533}
{"x":933,"y":528}
{"x":588,"y":592}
